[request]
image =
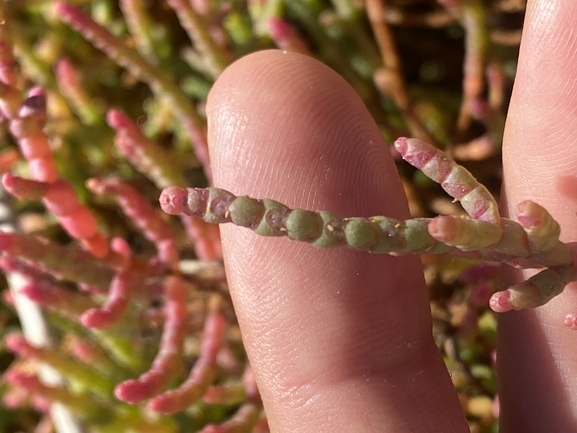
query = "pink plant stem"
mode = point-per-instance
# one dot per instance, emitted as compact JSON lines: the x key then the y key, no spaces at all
{"x":169,"y":359}
{"x":205,"y":238}
{"x":142,"y":152}
{"x":119,"y":293}
{"x":147,"y":218}
{"x":158,"y":81}
{"x":243,"y":421}
{"x":201,"y":374}
{"x":68,"y":262}
{"x":474,"y":20}
{"x":145,"y":155}
{"x":61,"y":200}
{"x":26,"y":127}
{"x":81,"y":405}
{"x":82,"y":374}
{"x":456,"y":181}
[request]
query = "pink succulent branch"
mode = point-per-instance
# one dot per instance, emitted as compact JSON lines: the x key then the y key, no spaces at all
{"x":26,"y":126}
{"x":244,"y":420}
{"x":68,"y":262}
{"x":204,"y":237}
{"x":168,"y":361}
{"x":63,"y":302}
{"x":61,"y":200}
{"x":119,"y":294}
{"x":80,"y":374}
{"x":389,"y":79}
{"x":455,"y":180}
{"x":141,"y":151}
{"x":472,"y":15}
{"x":81,"y":405}
{"x":200,"y":376}
{"x":159,"y":83}
{"x":147,"y":157}
{"x":141,"y":212}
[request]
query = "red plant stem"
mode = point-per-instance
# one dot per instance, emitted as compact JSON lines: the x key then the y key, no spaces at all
{"x":243,"y":421}
{"x":169,"y":359}
{"x":201,"y":374}
{"x":68,"y":262}
{"x":116,"y":305}
{"x":145,"y":155}
{"x":146,"y":217}
{"x":474,"y":20}
{"x":61,"y":200}
{"x":81,"y":405}
{"x":42,"y":290}
{"x":142,"y":152}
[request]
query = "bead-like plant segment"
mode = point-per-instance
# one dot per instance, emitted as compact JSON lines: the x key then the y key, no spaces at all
{"x":536,"y":291}
{"x":542,"y":230}
{"x":455,"y":180}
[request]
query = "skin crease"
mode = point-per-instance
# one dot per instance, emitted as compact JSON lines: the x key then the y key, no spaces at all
{"x":341,"y":340}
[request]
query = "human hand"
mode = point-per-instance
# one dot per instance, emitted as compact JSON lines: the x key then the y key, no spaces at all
{"x":341,"y":340}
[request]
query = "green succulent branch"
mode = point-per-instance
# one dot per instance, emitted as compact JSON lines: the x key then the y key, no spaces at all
{"x":532,"y":242}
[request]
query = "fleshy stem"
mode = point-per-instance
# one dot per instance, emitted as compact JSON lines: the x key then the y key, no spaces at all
{"x":202,"y":373}
{"x":168,"y":361}
{"x":80,"y":374}
{"x":146,"y":217}
{"x":148,"y":158}
{"x":533,"y":242}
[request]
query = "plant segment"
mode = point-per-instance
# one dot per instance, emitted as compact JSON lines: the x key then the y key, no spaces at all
{"x":531,"y":242}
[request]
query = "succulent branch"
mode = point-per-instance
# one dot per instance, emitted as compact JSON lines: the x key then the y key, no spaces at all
{"x":533,"y":242}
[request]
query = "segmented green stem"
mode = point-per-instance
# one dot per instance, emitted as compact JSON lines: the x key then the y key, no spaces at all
{"x":505,"y":242}
{"x":534,"y":292}
{"x":322,"y":229}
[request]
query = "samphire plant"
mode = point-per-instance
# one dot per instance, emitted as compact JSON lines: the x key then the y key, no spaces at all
{"x":126,"y":321}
